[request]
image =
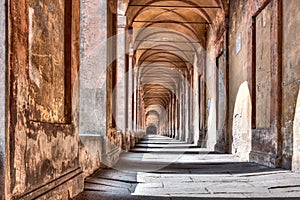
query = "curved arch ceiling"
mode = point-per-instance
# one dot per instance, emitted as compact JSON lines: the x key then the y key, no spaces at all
{"x":166,"y":35}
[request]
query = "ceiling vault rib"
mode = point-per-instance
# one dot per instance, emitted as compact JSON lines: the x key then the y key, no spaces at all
{"x":167,"y":61}
{"x":145,"y":49}
{"x":156,"y":77}
{"x":171,"y":41}
{"x":166,"y":37}
{"x":170,"y":22}
{"x":162,"y":66}
{"x":169,"y":6}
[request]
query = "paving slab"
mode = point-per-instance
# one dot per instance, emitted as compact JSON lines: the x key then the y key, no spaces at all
{"x":160,"y":168}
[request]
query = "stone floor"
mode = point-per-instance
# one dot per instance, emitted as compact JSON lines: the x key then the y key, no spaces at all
{"x":162,"y":168}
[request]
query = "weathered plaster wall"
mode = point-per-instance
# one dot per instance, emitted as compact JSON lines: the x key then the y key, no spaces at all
{"x":44,"y":154}
{"x":202,"y":69}
{"x":91,"y":153}
{"x":215,"y":84}
{"x":290,"y":76}
{"x":47,"y":61}
{"x":242,"y":65}
{"x":238,"y":61}
{"x":263,"y":68}
{"x":221,"y":90}
{"x":266,"y":137}
{"x":221,"y":101}
{"x":2,"y":95}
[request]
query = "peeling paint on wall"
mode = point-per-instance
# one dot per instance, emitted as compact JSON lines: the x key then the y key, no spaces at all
{"x":44,"y":149}
{"x":263,"y":68}
{"x":46,"y":61}
{"x":290,"y":75}
{"x":2,"y":95}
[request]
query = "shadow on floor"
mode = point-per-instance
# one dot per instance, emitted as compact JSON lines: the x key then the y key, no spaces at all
{"x":143,"y":174}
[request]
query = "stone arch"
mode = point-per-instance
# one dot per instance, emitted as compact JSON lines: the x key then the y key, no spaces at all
{"x":296,"y":137}
{"x":241,"y":129}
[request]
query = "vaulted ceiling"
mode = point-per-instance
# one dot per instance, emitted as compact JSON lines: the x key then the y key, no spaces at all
{"x":166,"y":35}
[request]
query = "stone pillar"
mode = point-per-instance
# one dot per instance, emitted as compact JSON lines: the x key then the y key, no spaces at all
{"x":113,"y":137}
{"x":93,"y":68}
{"x":182,"y":112}
{"x":130,"y":95}
{"x":2,"y":96}
{"x":186,"y":108}
{"x":138,"y":106}
{"x":131,"y":102}
{"x":121,"y":76}
{"x":127,"y":80}
{"x":178,"y":113}
{"x":92,"y":83}
{"x":196,"y":112}
{"x":111,"y":68}
{"x":170,"y":118}
{"x":174,"y":116}
{"x":191,"y":106}
{"x":135,"y":94}
{"x":177,"y":118}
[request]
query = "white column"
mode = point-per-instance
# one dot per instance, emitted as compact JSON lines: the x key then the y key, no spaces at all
{"x":120,"y":87}
{"x":196,"y":104}
{"x":186,"y":108}
{"x":130,"y":94}
{"x":182,"y":112}
{"x":135,"y":101}
{"x":93,"y":69}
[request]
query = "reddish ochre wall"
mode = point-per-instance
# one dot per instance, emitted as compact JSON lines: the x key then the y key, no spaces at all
{"x":3,"y":51}
{"x":263,"y":68}
{"x":47,"y":61}
{"x":238,"y":60}
{"x":290,"y":76}
{"x":268,"y":72}
{"x":43,"y":135}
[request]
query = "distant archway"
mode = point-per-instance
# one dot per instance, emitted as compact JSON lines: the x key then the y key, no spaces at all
{"x":241,"y":129}
{"x":296,"y":137}
{"x":151,"y":130}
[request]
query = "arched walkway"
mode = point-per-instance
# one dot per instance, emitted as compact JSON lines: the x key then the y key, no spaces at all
{"x":135,"y":99}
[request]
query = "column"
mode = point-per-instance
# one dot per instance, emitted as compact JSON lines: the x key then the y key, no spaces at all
{"x":121,"y":76}
{"x":174,"y":115}
{"x":186,"y":108}
{"x":182,"y":112}
{"x":93,"y":69}
{"x":196,"y":104}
